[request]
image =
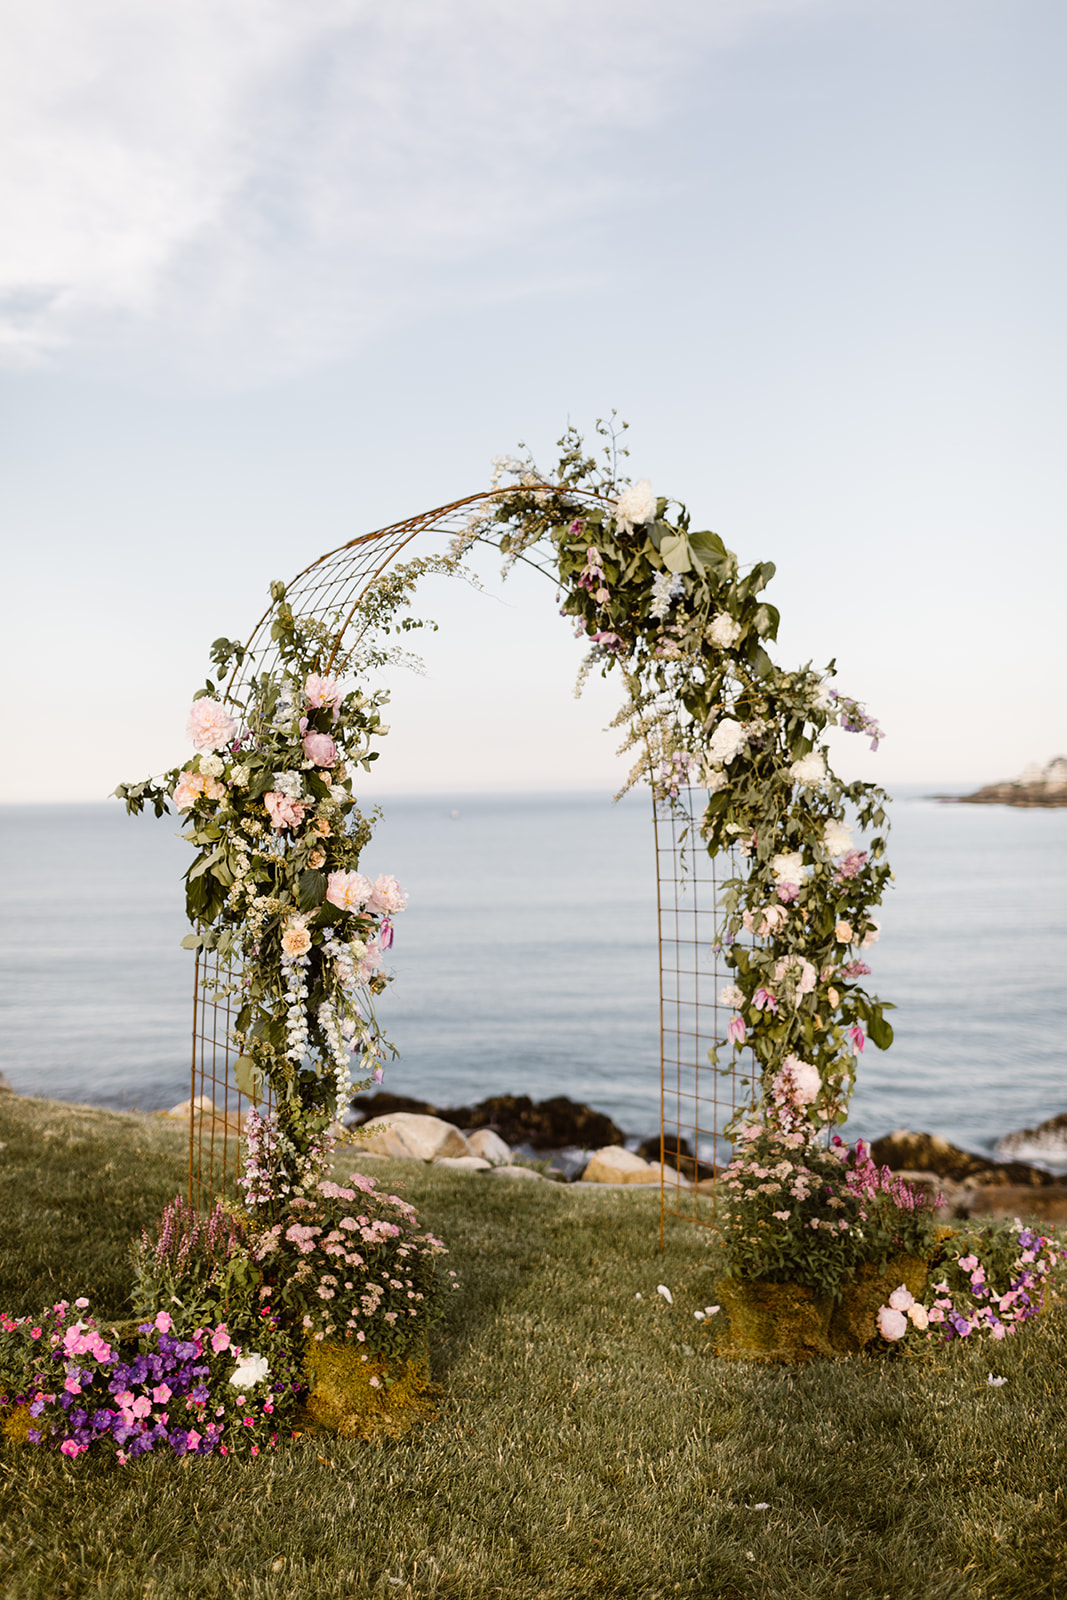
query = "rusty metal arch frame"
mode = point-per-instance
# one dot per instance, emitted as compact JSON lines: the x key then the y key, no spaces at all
{"x":696,"y":1102}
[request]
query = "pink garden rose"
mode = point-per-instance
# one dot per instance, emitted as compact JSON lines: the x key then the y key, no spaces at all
{"x":349,"y":891}
{"x":388,"y":897}
{"x":210,"y":725}
{"x":284,"y":813}
{"x":320,"y":748}
{"x":891,"y":1324}
{"x":194,"y":785}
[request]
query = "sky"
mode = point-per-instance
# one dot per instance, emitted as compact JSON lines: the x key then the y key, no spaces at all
{"x":275,"y":275}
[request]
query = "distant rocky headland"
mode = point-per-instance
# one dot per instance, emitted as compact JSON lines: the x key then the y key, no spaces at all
{"x":1035,"y":786}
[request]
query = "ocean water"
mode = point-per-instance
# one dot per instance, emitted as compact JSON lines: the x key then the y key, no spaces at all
{"x":527,"y":959}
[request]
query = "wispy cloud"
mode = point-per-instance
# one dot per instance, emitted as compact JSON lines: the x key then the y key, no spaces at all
{"x":275,"y":181}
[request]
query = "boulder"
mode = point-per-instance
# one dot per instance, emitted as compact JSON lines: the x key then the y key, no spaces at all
{"x":545,"y":1124}
{"x":489,"y":1145}
{"x":206,"y":1116}
{"x":671,"y":1177}
{"x":412,"y":1136}
{"x":928,"y":1152}
{"x":515,"y":1172}
{"x":1020,"y":1200}
{"x":677,"y":1153}
{"x":464,"y":1163}
{"x":613,"y":1164}
{"x":1045,"y":1142}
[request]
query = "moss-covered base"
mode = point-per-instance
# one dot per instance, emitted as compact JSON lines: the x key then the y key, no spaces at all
{"x":360,"y":1396}
{"x":855,"y":1321}
{"x":15,"y":1424}
{"x":781,"y":1322}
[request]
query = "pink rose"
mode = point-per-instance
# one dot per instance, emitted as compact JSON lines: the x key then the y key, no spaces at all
{"x":320,"y":748}
{"x":210,"y":725}
{"x":901,"y":1298}
{"x":284,"y":813}
{"x":349,"y":891}
{"x":891,"y":1324}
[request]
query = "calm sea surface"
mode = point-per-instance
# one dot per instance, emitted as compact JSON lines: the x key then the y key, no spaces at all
{"x":527,"y":963}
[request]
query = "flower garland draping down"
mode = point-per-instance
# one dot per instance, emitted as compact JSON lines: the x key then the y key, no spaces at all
{"x":276,"y":890}
{"x":668,"y":607}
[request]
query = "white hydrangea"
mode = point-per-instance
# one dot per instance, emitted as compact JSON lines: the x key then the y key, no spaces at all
{"x":289,"y":784}
{"x":239,"y":777}
{"x":836,"y":838}
{"x":789,"y":867}
{"x":810,"y":769}
{"x":728,"y":740}
{"x":212,"y":766}
{"x":724,"y":631}
{"x":635,"y":506}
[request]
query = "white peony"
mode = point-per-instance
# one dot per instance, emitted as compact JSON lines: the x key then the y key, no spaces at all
{"x":809,"y":769}
{"x":728,"y":740}
{"x":789,"y":868}
{"x":891,"y":1324}
{"x":635,"y":506}
{"x":901,"y":1298}
{"x":250,"y":1370}
{"x":836,"y":838}
{"x":731,"y":996}
{"x":724,"y":631}
{"x":713,"y":779}
{"x":821,"y":697}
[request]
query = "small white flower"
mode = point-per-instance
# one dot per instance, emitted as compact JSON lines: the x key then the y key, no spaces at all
{"x":821,"y":698}
{"x":661,"y":1288}
{"x":666,"y":588}
{"x":635,"y":506}
{"x":639,"y":1295}
{"x":711,"y":1311}
{"x":713,"y":778}
{"x":731,"y":996}
{"x":724,"y":631}
{"x":250,"y":1370}
{"x":996,"y":1383}
{"x":699,"y":1316}
{"x":789,"y":868}
{"x":288,"y":784}
{"x":761,"y":1505}
{"x":212,"y":766}
{"x":239,"y":777}
{"x":810,"y":769}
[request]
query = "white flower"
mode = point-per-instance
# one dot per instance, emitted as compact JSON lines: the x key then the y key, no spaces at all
{"x":635,"y":506}
{"x":239,"y":777}
{"x":806,"y":1079}
{"x":873,"y":934}
{"x":836,"y":838}
{"x":288,"y":784}
{"x":726,"y":742}
{"x":661,"y":1288}
{"x":731,"y":996}
{"x":250,"y":1370}
{"x":212,"y":766}
{"x":996,"y":1383}
{"x":809,"y":769}
{"x":797,"y":973}
{"x":724,"y":631}
{"x":789,"y":868}
{"x":821,"y":697}
{"x":713,"y":778}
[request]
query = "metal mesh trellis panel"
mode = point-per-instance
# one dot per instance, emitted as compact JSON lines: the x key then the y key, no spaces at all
{"x":696,"y":1100}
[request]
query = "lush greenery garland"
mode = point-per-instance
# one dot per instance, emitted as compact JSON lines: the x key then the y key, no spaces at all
{"x":275,"y":887}
{"x":668,"y":607}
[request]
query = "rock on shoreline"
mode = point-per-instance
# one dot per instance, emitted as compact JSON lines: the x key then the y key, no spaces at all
{"x":1035,"y":786}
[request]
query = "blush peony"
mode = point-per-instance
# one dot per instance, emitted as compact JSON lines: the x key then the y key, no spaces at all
{"x":348,"y":891}
{"x":724,"y":631}
{"x":320,"y":748}
{"x":323,"y":691}
{"x":891,"y":1324}
{"x":284,"y":813}
{"x":388,"y":897}
{"x":210,"y":725}
{"x":836,"y":838}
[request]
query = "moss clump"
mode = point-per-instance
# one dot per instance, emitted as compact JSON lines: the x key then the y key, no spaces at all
{"x":361,"y":1396}
{"x":782,"y":1322}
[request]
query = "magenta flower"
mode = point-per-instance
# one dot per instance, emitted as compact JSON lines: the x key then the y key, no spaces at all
{"x":857,"y":1038}
{"x":736,"y":1030}
{"x":764,"y":1000}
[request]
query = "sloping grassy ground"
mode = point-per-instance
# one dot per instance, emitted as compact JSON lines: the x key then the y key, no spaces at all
{"x":588,"y":1443}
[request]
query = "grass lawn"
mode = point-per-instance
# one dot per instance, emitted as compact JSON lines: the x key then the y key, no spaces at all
{"x":588,"y":1443}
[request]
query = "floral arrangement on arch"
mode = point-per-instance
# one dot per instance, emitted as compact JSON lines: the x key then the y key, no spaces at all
{"x":668,"y":607}
{"x":275,"y":888}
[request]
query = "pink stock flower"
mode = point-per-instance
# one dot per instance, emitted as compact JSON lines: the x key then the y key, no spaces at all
{"x":385,"y":935}
{"x":284,"y":813}
{"x":857,"y":1038}
{"x":348,"y":891}
{"x":321,"y":749}
{"x":764,"y":1000}
{"x":736,"y":1031}
{"x":210,"y":725}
